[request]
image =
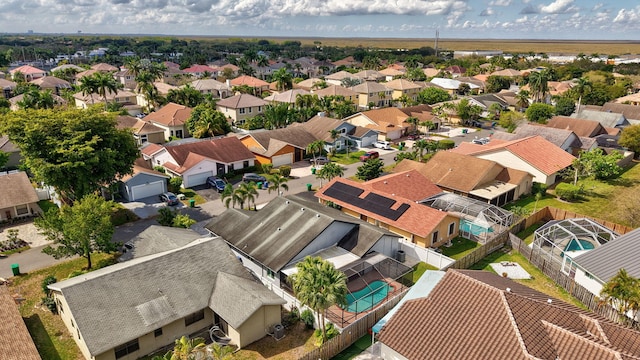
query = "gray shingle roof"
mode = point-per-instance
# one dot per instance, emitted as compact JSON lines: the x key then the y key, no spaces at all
{"x":121,"y":302}
{"x":604,"y":261}
{"x":156,"y":239}
{"x":16,"y":190}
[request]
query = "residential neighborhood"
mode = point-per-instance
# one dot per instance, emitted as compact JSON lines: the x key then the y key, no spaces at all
{"x":296,"y":202}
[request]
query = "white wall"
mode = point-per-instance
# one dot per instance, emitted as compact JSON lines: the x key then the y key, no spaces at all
{"x":388,"y":245}
{"x":593,"y":285}
{"x":329,"y":237}
{"x":388,"y":353}
{"x":507,"y":159}
{"x":425,"y":254}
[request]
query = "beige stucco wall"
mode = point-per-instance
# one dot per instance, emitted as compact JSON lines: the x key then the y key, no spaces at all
{"x":255,"y":328}
{"x":507,"y":159}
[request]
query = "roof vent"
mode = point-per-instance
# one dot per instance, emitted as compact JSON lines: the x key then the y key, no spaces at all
{"x":508,"y":290}
{"x":384,"y":182}
{"x":287,"y":202}
{"x":301,"y":209}
{"x":549,"y":301}
{"x":317,"y":215}
{"x":279,"y":229}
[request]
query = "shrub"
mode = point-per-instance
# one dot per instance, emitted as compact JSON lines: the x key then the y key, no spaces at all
{"x":182,"y":221}
{"x":50,"y":304}
{"x":307,"y":318}
{"x":568,"y":192}
{"x":274,"y":171}
{"x":446,"y":144}
{"x":159,"y":168}
{"x":175,"y":183}
{"x":285,"y":170}
{"x":537,"y":187}
{"x":166,"y":216}
{"x":46,"y":282}
{"x":266,"y":168}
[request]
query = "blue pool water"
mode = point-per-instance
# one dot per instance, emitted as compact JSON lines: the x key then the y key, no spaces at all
{"x":578,"y":244}
{"x":367,"y":298}
{"x":475,"y":229}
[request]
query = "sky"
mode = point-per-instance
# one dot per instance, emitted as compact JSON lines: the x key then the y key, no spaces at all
{"x":465,"y":19}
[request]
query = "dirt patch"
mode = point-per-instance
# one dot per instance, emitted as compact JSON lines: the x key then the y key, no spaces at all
{"x":27,"y":232}
{"x":297,"y":341}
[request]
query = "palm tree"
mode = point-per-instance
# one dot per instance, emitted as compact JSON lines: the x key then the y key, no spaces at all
{"x":277,"y":115}
{"x":315,"y":147}
{"x":229,"y":196}
{"x":37,"y":99}
{"x":329,"y":171}
{"x":248,"y":191}
{"x":278,"y":182}
{"x":414,"y":122}
{"x":105,"y":83}
{"x":335,"y":135}
{"x":421,"y":145}
{"x":522,"y":99}
{"x":583,"y":85}
{"x":283,"y":79}
{"x":186,"y":349}
{"x":622,"y":292}
{"x":319,"y":285}
{"x":220,"y":352}
{"x":88,"y":86}
{"x":539,"y":84}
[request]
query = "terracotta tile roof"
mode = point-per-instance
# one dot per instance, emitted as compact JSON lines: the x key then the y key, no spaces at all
{"x":334,"y":90}
{"x":82,"y":74}
{"x":241,"y":101}
{"x":209,"y":84}
{"x":341,"y":75}
{"x":307,"y":84}
{"x":15,"y":341}
{"x":389,"y":115}
{"x":418,"y":219}
{"x":199,"y":69}
{"x":391,"y":72}
{"x":138,"y":126}
{"x":51,"y":82}
{"x":581,"y":127}
{"x":535,"y":150}
{"x":431,"y":72}
{"x":226,"y":150}
{"x":248,"y":80}
{"x":370,"y":87}
{"x":104,"y":67}
{"x":507,"y":72}
{"x":171,"y":114}
{"x":27,"y":70}
{"x":409,"y":184}
{"x":495,"y":323}
{"x":151,"y":149}
{"x":401,"y":84}
{"x":288,"y":96}
{"x":21,"y":193}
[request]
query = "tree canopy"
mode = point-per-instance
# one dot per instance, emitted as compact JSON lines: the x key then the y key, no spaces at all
{"x":540,"y":113}
{"x":81,"y":229}
{"x":623,"y":293}
{"x":371,"y":169}
{"x":206,"y":121}
{"x":75,"y":151}
{"x":630,"y":138}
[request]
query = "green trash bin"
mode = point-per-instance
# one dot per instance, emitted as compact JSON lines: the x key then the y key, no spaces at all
{"x":192,"y":203}
{"x":313,"y":171}
{"x":259,"y":185}
{"x":15,"y":268}
{"x":308,"y":187}
{"x":464,"y":131}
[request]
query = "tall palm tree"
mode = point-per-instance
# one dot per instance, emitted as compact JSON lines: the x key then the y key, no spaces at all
{"x":330,"y":171}
{"x":623,"y":293}
{"x":278,"y":182}
{"x":277,"y":115}
{"x":315,"y":147}
{"x":283,"y":79}
{"x":335,"y":135}
{"x":319,"y":285}
{"x":414,"y":122}
{"x":539,"y":84}
{"x":522,"y":99}
{"x":583,"y":85}
{"x":229,"y":196}
{"x":421,"y":146}
{"x":249,"y":193}
{"x":88,"y":86}
{"x":105,"y":83}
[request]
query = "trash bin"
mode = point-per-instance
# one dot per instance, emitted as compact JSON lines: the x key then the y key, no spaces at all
{"x":313,"y":171}
{"x":308,"y":187}
{"x":265,"y":185}
{"x":15,"y":268}
{"x":464,"y":131}
{"x":259,"y":185}
{"x":192,"y":203}
{"x":400,"y":147}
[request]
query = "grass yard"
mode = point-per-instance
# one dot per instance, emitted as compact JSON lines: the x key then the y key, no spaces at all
{"x":527,"y":234}
{"x":609,"y":200}
{"x":343,"y":159}
{"x":355,"y":349}
{"x":45,"y":205}
{"x":538,"y":281}
{"x":47,"y":330}
{"x":420,"y":268}
{"x":192,"y":195}
{"x":298,"y":340}
{"x":460,"y":248}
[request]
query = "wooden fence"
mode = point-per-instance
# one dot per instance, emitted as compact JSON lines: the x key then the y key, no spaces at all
{"x":497,"y":242}
{"x":551,"y":213}
{"x":353,"y":332}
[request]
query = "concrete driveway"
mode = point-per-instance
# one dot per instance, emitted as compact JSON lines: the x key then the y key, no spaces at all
{"x":148,"y":207}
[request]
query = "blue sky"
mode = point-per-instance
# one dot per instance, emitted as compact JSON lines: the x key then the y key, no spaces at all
{"x":498,"y":19}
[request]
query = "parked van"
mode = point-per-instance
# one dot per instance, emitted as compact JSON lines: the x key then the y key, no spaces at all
{"x":385,"y":145}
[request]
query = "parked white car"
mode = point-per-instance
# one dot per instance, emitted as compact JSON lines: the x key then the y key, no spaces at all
{"x":385,"y":145}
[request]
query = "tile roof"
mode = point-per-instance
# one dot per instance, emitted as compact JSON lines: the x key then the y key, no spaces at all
{"x":507,"y":72}
{"x":209,"y":84}
{"x":248,"y":80}
{"x":340,"y":75}
{"x":557,"y":137}
{"x":171,"y":114}
{"x":606,"y":260}
{"x":535,"y":150}
{"x":95,"y":98}
{"x":51,"y":82}
{"x":7,"y":146}
{"x":496,"y":318}
{"x":370,"y":87}
{"x":150,"y":149}
{"x":404,"y":214}
{"x":373,"y":75}
{"x":391,"y":72}
{"x":297,"y":136}
{"x":7,"y":85}
{"x":199,"y":69}
{"x":631,"y":112}
{"x":16,"y":190}
{"x":320,"y":127}
{"x":409,"y":184}
{"x":334,"y":90}
{"x":288,"y":96}
{"x":138,"y":126}
{"x":241,"y":101}
{"x":402,"y":84}
{"x":15,"y":341}
{"x":307,"y":84}
{"x":226,"y":150}
{"x":104,"y":67}
{"x":582,"y":127}
{"x":27,"y":70}
{"x":390,"y":115}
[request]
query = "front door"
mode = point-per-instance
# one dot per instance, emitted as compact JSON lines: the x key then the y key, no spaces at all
{"x":220,"y":169}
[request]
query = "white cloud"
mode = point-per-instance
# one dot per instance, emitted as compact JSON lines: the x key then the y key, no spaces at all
{"x":629,"y":17}
{"x":487,"y":12}
{"x":559,"y":7}
{"x":500,"y":3}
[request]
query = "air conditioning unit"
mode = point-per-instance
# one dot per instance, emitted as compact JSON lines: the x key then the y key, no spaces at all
{"x":278,"y":331}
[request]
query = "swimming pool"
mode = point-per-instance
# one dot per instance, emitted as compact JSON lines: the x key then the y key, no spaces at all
{"x":578,"y":244}
{"x":475,"y":229}
{"x":365,"y":299}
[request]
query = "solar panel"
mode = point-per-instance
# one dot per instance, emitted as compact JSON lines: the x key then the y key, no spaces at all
{"x":374,"y":203}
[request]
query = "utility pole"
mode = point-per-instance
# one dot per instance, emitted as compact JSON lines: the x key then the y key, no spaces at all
{"x":437,"y":36}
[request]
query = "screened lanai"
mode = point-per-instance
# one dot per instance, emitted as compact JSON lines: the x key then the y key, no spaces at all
{"x":478,"y":219}
{"x":561,"y":240}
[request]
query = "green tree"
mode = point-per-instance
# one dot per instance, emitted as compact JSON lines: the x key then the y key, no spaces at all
{"x":510,"y":120}
{"x":206,"y":121}
{"x":583,"y":86}
{"x":278,"y":182}
{"x":81,"y":229}
{"x":4,"y":158}
{"x":105,"y":83}
{"x":88,"y":86}
{"x":283,"y":79}
{"x":522,"y":99}
{"x":539,"y":84}
{"x":540,"y":113}
{"x":182,"y":221}
{"x":247,"y":193}
{"x":75,"y":151}
{"x":600,"y":165}
{"x":371,"y":169}
{"x":414,"y":122}
{"x":630,"y":138}
{"x":314,"y":148}
{"x":229,"y":196}
{"x":329,"y":171}
{"x":467,"y":111}
{"x":622,"y":292}
{"x":186,"y":95}
{"x":565,"y":106}
{"x":277,"y":115}
{"x":496,"y":83}
{"x":35,"y":98}
{"x":166,"y":215}
{"x":319,"y":285}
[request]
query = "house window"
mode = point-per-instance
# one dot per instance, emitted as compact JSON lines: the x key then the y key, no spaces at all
{"x":250,"y":110}
{"x":143,"y":139}
{"x":259,"y":108}
{"x":179,"y":134}
{"x":271,"y":274}
{"x":22,"y":210}
{"x":452,"y":228}
{"x":242,"y":110}
{"x":434,"y":238}
{"x":245,"y":164}
{"x":194,"y":318}
{"x":157,"y":332}
{"x":126,"y":349}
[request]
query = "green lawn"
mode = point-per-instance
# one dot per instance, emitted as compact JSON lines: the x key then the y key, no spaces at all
{"x":605,"y":199}
{"x":355,"y":349}
{"x":460,"y":248}
{"x":527,"y":234}
{"x":342,"y":158}
{"x":420,"y":268}
{"x":192,"y":195}
{"x":45,"y":205}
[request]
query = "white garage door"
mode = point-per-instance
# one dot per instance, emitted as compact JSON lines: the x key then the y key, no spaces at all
{"x":280,"y":160}
{"x":146,"y":190}
{"x":198,"y":179}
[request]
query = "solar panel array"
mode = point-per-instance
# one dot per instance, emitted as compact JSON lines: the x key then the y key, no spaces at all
{"x":374,"y":203}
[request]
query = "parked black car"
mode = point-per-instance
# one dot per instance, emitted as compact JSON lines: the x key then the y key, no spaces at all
{"x":216,"y":183}
{"x":249,"y":177}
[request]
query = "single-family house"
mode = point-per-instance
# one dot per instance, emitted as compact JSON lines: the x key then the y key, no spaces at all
{"x":373,"y":94}
{"x":196,"y":160}
{"x":606,"y":119}
{"x":391,"y":202}
{"x":476,"y":178}
{"x":533,"y":155}
{"x":565,"y":139}
{"x":403,"y":87}
{"x":391,"y":73}
{"x":27,"y":72}
{"x":136,"y":307}
{"x":370,"y":75}
{"x":321,"y":126}
{"x":104,"y":67}
{"x":452,"y":85}
{"x":199,"y":71}
{"x":7,"y":87}
{"x":632,"y":99}
{"x":126,"y":78}
{"x":240,"y":107}
{"x":126,"y":98}
{"x":337,"y":90}
{"x":172,"y":118}
{"x":581,"y":127}
{"x":142,"y":130}
{"x":349,"y":61}
{"x":510,"y":73}
{"x":308,"y":84}
{"x":142,"y":182}
{"x":431,"y":72}
{"x":525,"y":324}
{"x":390,"y":123}
{"x":456,"y":70}
{"x":51,"y":83}
{"x":424,"y":114}
{"x":259,"y":86}
{"x":287,"y":97}
{"x":337,"y":77}
{"x":214,"y":87}
{"x":16,"y":343}
{"x":273,"y":240}
{"x":8,"y":147}
{"x":176,"y":77}
{"x":280,"y":146}
{"x":19,"y":199}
